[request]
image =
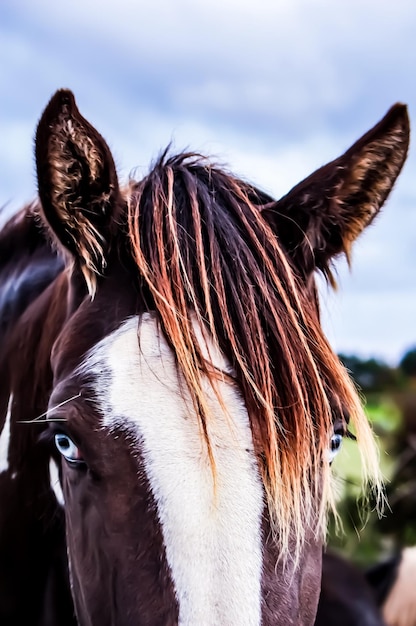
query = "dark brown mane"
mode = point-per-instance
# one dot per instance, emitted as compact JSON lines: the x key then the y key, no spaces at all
{"x":203,"y":248}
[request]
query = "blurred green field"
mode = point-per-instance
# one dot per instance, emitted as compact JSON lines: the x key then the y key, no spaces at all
{"x":359,"y":535}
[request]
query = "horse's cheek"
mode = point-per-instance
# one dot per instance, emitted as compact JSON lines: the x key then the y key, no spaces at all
{"x":89,"y":562}
{"x":310,"y":586}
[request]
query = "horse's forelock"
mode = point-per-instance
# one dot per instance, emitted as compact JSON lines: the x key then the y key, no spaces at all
{"x":204,"y":251}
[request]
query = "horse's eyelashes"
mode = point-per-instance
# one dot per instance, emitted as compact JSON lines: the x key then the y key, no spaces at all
{"x":350,"y":435}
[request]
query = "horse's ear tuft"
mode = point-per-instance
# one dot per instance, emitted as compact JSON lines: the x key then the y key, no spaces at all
{"x":77,"y":183}
{"x":324,"y":214}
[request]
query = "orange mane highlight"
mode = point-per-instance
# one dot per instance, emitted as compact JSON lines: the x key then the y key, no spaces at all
{"x":204,"y":250}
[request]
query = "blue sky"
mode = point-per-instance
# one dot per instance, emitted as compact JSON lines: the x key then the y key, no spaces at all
{"x":273,"y":88}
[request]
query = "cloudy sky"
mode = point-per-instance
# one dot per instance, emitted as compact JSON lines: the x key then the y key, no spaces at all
{"x":274,"y":88}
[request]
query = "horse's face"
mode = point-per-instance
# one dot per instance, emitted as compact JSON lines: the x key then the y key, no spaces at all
{"x":172,"y":464}
{"x":145,"y":532}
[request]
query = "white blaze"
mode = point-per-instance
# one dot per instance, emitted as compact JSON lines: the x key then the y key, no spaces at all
{"x":55,"y":482}
{"x":5,"y":438}
{"x":213,"y":541}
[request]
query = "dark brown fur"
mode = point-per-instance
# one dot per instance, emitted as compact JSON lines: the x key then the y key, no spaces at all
{"x":346,"y":597}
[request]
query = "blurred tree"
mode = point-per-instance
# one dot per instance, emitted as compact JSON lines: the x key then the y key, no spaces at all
{"x":408,"y":363}
{"x":371,"y":375}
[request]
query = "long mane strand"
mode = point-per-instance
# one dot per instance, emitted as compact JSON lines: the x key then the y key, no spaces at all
{"x":203,"y":250}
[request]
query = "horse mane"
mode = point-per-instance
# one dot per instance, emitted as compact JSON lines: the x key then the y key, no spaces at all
{"x":204,"y":251}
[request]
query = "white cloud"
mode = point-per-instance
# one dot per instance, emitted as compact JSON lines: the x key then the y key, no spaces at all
{"x":273,"y":88}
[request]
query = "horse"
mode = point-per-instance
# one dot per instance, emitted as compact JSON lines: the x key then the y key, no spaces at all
{"x":392,"y":581}
{"x":347,"y":598}
{"x":381,"y":595}
{"x":170,"y":404}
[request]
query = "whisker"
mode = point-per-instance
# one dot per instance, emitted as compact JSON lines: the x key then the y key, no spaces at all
{"x":39,"y":419}
{"x":42,"y":421}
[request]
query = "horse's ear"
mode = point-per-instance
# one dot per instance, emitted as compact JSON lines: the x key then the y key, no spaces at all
{"x":77,"y":183}
{"x":323,"y":215}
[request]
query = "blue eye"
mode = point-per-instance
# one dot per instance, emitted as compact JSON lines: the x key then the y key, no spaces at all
{"x":334,"y":446}
{"x":68,"y":449}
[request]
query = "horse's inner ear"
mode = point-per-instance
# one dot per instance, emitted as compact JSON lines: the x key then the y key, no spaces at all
{"x":77,"y":182}
{"x":324,"y":214}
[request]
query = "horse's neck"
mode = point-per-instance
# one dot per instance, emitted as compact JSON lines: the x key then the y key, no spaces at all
{"x":27,"y":266}
{"x":32,"y":541}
